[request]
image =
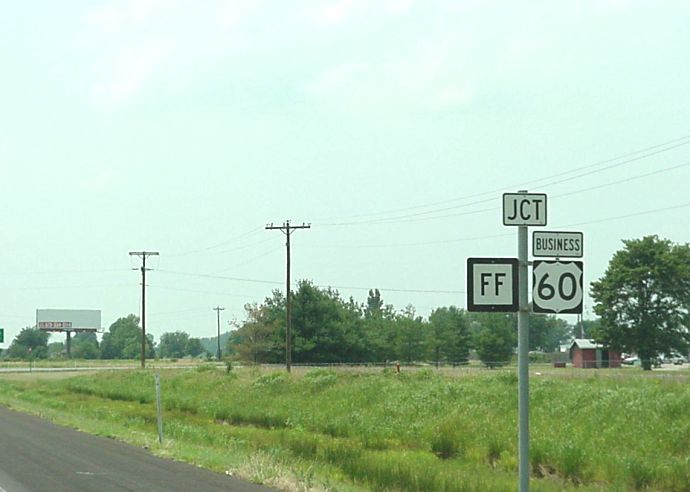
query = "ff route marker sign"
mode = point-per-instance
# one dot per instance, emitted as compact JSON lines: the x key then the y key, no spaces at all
{"x":492,"y":284}
{"x":557,"y":244}
{"x":524,"y":209}
{"x":557,"y":287}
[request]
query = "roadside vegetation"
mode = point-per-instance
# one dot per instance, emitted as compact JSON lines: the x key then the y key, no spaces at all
{"x":418,"y":430}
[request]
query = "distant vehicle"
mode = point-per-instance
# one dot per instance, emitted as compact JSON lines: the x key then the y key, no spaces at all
{"x":634,"y":360}
{"x":677,"y":360}
{"x":673,"y":358}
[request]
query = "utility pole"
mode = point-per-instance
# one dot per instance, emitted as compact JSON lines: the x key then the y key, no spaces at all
{"x":218,"y":309}
{"x":288,"y":229}
{"x":143,"y":255}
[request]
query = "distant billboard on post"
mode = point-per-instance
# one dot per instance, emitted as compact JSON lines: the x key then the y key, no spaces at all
{"x":68,"y":319}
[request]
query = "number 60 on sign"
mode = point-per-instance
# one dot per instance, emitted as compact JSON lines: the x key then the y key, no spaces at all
{"x":557,"y":287}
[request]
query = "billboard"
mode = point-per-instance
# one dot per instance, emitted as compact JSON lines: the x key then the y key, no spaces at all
{"x":68,"y":319}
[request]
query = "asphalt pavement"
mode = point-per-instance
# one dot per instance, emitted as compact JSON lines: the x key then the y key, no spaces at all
{"x":37,"y":456}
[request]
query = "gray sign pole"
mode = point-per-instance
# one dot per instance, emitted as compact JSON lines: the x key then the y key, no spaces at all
{"x":523,"y":362}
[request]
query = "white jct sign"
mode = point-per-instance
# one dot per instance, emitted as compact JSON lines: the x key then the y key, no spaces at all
{"x":524,"y":209}
{"x":557,"y":287}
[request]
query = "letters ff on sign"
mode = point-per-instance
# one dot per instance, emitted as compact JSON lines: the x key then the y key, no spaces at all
{"x":524,"y":209}
{"x":557,"y":287}
{"x":492,"y":284}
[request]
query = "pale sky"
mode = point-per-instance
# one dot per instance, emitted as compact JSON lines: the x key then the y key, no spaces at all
{"x":393,"y":126}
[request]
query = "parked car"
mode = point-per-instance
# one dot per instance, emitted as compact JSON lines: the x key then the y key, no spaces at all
{"x":677,"y":359}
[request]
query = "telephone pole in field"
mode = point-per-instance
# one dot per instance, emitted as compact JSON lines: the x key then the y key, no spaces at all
{"x":288,"y":229}
{"x":143,"y":255}
{"x":218,"y":309}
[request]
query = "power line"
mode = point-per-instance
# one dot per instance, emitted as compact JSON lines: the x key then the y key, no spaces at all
{"x":537,"y":182}
{"x":220,"y":244}
{"x":494,"y":236}
{"x":197,"y":291}
{"x":416,"y":218}
{"x":220,"y":277}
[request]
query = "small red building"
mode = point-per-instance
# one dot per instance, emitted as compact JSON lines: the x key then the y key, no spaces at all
{"x":589,"y":354}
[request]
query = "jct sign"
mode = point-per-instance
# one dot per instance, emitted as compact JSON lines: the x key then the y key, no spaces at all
{"x":524,"y":209}
{"x":557,"y":287}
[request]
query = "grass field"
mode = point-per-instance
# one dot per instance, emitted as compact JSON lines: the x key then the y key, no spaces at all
{"x":376,"y":430}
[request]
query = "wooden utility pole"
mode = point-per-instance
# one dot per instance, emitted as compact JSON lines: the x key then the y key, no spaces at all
{"x":218,"y":309}
{"x":288,"y":229}
{"x":143,"y":255}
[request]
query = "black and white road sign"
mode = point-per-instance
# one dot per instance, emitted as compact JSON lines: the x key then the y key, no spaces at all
{"x":557,"y":287}
{"x":557,"y":244}
{"x":524,"y":209}
{"x":492,"y":284}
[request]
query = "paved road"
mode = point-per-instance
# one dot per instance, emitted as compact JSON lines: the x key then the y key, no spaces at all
{"x":36,"y":456}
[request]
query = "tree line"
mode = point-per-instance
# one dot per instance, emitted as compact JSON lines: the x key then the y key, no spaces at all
{"x":121,"y":341}
{"x":642,"y":302}
{"x":329,"y":329}
{"x":326,"y":329}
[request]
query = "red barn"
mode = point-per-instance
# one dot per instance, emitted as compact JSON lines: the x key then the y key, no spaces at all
{"x":589,"y":354}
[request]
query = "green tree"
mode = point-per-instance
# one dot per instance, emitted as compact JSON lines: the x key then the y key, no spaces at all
{"x":29,"y":343}
{"x":589,"y":327}
{"x":410,"y":335}
{"x":547,"y":332}
{"x":448,"y":336}
{"x":194,"y":347}
{"x":495,"y":338}
{"x":325,"y":328}
{"x":56,"y":350}
{"x":123,"y":340}
{"x":643,"y":299}
{"x":378,"y":328}
{"x":173,"y":344}
{"x":259,"y":339}
{"x":85,"y":346}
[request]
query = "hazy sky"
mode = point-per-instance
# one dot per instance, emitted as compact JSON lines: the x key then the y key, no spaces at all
{"x":393,"y":126}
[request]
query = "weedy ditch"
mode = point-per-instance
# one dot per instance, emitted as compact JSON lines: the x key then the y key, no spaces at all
{"x":383,"y":431}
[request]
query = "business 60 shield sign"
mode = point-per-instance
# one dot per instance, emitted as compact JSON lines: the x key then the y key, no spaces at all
{"x":557,"y":287}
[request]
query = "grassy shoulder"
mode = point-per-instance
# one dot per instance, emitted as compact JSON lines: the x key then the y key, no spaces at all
{"x":327,"y":430}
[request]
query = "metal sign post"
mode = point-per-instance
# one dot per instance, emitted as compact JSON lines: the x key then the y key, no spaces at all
{"x":523,"y":362}
{"x":523,"y":209}
{"x":501,"y":285}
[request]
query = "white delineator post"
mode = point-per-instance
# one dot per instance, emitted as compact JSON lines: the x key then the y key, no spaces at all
{"x":159,"y":410}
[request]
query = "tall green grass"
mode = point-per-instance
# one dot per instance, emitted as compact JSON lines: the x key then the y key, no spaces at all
{"x":417,"y":431}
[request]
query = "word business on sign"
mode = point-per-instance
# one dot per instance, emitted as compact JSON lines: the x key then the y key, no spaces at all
{"x":557,"y":244}
{"x":492,"y":284}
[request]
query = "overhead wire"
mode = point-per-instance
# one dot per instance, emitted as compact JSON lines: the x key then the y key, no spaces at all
{"x":510,"y":234}
{"x":218,"y":245}
{"x":413,"y":218}
{"x":382,"y":220}
{"x":240,"y":279}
